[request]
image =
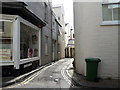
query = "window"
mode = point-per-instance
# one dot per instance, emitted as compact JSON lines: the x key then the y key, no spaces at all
{"x":111,"y":10}
{"x":73,"y":35}
{"x":29,"y":41}
{"x":1,"y":26}
{"x":53,"y":23}
{"x":58,"y":18}
{"x":6,"y":40}
{"x":46,"y":45}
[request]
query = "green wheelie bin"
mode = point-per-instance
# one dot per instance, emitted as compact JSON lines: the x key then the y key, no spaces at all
{"x":92,"y":66}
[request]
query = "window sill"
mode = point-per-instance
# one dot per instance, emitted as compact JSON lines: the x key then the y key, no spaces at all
{"x":110,"y":23}
{"x":22,"y":61}
{"x":4,"y":63}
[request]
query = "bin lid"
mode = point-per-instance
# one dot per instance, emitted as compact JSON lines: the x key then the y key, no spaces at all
{"x":92,"y":60}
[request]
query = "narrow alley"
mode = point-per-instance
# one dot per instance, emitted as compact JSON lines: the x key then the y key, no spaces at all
{"x":52,"y":76}
{"x":57,"y":44}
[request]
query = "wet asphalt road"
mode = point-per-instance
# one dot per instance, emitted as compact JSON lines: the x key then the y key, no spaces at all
{"x":52,"y":76}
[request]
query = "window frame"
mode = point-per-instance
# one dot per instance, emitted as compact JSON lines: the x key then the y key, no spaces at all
{"x":2,"y":24}
{"x":5,"y":20}
{"x":46,"y":45}
{"x":112,"y":22}
{"x":36,"y":28}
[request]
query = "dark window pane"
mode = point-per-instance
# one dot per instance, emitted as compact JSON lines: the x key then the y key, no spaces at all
{"x":116,"y":12}
{"x":6,"y":40}
{"x":29,"y":42}
{"x":107,"y":13}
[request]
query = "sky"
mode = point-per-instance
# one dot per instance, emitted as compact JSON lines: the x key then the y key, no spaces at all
{"x":68,"y":9}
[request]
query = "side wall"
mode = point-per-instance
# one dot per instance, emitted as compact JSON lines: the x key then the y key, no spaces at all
{"x":59,"y":11}
{"x":43,"y":11}
{"x":47,"y":31}
{"x":38,"y":8}
{"x":94,"y":40}
{"x":46,"y":58}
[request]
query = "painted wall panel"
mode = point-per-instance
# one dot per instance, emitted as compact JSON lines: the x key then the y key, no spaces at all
{"x":94,"y":40}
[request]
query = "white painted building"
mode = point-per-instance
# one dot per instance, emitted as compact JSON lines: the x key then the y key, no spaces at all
{"x":96,"y":35}
{"x":67,"y":34}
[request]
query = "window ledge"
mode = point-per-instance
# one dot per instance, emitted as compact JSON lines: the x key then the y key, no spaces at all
{"x":22,"y":61}
{"x":8,"y":61}
{"x":110,"y":23}
{"x":4,"y":63}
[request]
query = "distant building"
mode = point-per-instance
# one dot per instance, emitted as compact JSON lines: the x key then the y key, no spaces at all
{"x":67,"y":33}
{"x":56,"y":38}
{"x":59,"y":11}
{"x":96,"y":35}
{"x":70,"y":49}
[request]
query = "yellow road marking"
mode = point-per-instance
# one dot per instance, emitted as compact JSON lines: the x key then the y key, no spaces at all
{"x":30,"y":78}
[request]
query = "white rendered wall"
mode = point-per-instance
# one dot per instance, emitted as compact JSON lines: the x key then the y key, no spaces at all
{"x":94,"y":40}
